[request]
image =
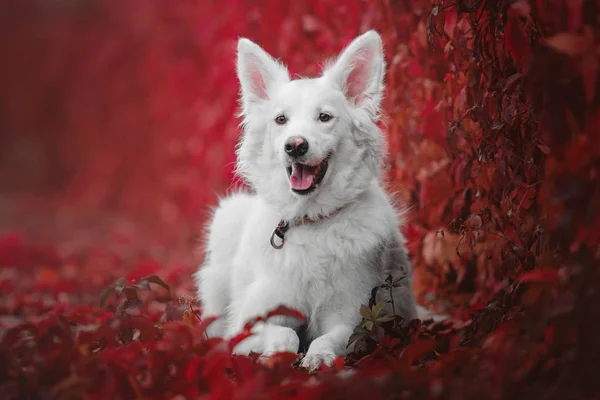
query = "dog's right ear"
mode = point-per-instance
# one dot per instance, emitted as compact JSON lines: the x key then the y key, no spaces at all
{"x":258,"y":73}
{"x":358,"y":71}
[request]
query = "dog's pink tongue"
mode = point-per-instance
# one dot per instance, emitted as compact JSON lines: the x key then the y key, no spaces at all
{"x":302,"y":177}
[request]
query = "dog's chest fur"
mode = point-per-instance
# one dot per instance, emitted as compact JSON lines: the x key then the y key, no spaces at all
{"x":319,"y":259}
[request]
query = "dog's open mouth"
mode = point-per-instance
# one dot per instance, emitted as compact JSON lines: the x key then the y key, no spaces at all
{"x":305,"y":178}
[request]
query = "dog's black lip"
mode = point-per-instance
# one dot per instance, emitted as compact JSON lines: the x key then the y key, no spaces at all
{"x":318,"y":179}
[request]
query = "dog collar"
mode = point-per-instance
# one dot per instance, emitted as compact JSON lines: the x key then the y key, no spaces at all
{"x":278,"y":235}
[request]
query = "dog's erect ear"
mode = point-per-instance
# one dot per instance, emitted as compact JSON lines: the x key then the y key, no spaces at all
{"x":359,"y":70}
{"x":258,"y":73}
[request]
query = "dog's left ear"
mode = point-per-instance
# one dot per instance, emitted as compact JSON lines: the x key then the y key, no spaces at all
{"x":258,"y":72}
{"x":359,"y":70}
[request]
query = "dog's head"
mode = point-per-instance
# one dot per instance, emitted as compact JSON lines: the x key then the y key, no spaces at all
{"x":310,"y":146}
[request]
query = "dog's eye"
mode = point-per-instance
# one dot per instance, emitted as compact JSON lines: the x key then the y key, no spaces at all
{"x":280,"y":119}
{"x":324,"y":117}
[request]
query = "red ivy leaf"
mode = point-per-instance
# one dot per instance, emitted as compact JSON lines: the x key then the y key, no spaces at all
{"x":539,"y":275}
{"x":105,"y":333}
{"x":244,"y":368}
{"x":572,"y":44}
{"x":14,"y":333}
{"x":515,"y":40}
{"x":148,"y":330}
{"x":284,"y":358}
{"x":177,"y":334}
{"x":234,"y":341}
{"x":288,"y":312}
{"x":201,"y":328}
{"x":339,"y":363}
{"x":451,"y":20}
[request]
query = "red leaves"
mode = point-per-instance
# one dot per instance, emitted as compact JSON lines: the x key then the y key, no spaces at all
{"x":582,"y":47}
{"x":38,"y":355}
{"x":451,"y":15}
{"x":144,"y":283}
{"x":516,"y":41}
{"x":132,"y":303}
{"x":283,"y":311}
{"x":204,"y":324}
{"x":434,"y":127}
{"x":572,"y":44}
{"x":539,"y":275}
{"x":538,"y":282}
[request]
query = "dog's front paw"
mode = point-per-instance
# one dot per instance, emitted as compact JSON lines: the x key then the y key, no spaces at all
{"x":280,"y":339}
{"x":312,"y":362}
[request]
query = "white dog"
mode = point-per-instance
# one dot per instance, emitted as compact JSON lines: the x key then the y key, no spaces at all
{"x":320,"y":231}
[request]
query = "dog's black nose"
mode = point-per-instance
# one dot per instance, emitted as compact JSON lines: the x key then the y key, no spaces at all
{"x":296,"y":146}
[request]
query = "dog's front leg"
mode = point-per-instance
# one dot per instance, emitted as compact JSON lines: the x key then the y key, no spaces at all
{"x":269,"y":337}
{"x":325,"y":348}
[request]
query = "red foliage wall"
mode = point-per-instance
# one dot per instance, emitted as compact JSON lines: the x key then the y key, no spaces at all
{"x":117,"y":119}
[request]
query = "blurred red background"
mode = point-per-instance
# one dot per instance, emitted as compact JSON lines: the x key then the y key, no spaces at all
{"x":121,"y":114}
{"x":115,"y":111}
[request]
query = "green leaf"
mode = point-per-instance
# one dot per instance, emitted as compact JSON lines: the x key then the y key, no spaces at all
{"x":358,"y":333}
{"x":365,"y":312}
{"x":360,"y":330}
{"x":119,"y":286}
{"x":155,"y":279}
{"x":354,"y":337}
{"x":377,"y":309}
{"x":385,"y":318}
{"x":143,"y":284}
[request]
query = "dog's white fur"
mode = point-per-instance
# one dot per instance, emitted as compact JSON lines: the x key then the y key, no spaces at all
{"x":327,"y":268}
